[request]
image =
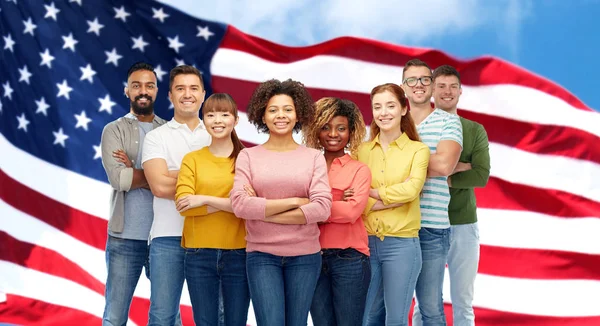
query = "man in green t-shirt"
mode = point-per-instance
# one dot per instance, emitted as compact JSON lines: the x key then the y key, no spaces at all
{"x":472,"y":170}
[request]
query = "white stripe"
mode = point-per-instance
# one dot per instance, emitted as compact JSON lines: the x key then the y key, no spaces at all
{"x":529,"y":230}
{"x":338,"y":73}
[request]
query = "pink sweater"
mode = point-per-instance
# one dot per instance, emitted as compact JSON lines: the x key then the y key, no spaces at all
{"x":276,"y":175}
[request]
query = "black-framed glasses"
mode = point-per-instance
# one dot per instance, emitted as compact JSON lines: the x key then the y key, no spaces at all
{"x":412,"y":81}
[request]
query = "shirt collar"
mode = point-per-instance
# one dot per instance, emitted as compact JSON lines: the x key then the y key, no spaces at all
{"x":400,"y":141}
{"x":130,"y":117}
{"x":343,"y":160}
{"x":173,"y":124}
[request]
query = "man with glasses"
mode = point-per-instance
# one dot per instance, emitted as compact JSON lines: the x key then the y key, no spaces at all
{"x":442,"y":132}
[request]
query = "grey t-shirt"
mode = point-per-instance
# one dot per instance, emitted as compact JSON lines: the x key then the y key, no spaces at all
{"x":138,"y":202}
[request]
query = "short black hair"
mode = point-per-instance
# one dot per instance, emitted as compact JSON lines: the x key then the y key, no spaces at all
{"x":185,"y":70}
{"x":140,"y":66}
{"x":446,"y":70}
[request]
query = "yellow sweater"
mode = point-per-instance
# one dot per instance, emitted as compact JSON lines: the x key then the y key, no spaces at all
{"x":202,"y":173}
{"x":389,"y":171}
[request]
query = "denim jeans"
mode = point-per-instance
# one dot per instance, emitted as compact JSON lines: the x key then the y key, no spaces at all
{"x":210,"y":271}
{"x":282,"y":288}
{"x":124,"y":261}
{"x":341,"y":291}
{"x":463,"y":261}
{"x":435,"y":244}
{"x":395,"y":266}
{"x":167,"y":274}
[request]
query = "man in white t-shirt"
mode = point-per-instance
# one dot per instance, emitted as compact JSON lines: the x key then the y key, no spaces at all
{"x":164,"y":149}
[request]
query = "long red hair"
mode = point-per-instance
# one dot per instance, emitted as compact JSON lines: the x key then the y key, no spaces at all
{"x":407,"y":125}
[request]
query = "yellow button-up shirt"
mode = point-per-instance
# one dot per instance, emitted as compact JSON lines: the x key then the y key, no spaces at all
{"x":390,"y":170}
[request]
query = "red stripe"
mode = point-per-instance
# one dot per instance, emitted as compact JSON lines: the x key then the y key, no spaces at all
{"x":534,"y":138}
{"x":80,"y":225}
{"x":538,"y":264}
{"x":481,"y":71}
{"x":20,"y":310}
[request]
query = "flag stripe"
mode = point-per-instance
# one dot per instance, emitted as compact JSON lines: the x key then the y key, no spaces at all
{"x":41,"y":313}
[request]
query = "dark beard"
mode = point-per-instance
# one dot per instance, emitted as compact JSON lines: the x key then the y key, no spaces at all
{"x":142,"y":110}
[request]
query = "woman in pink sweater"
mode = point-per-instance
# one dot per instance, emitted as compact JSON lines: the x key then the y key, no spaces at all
{"x":281,"y":189}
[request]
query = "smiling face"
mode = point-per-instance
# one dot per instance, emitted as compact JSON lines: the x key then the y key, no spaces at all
{"x":446,"y":92}
{"x":419,"y":93}
{"x":141,"y":90}
{"x":387,"y":111}
{"x":280,"y":115}
{"x":187,"y":95}
{"x":335,"y":134}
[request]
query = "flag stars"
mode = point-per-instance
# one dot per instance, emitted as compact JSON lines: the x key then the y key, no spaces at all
{"x":113,"y":57}
{"x":23,"y":122}
{"x":179,"y":62}
{"x":46,"y":58}
{"x":97,"y":151}
{"x":159,"y":72}
{"x":95,"y":26}
{"x":69,"y":42}
{"x":60,"y":137}
{"x":121,"y":14}
{"x":51,"y":11}
{"x":204,"y":32}
{"x":64,"y":90}
{"x":106,"y":104}
{"x":7,"y":90}
{"x":139,"y":43}
{"x":42,"y":106}
{"x":87,"y":73}
{"x":174,"y":43}
{"x":25,"y":75}
{"x":82,"y":121}
{"x":77,"y":1}
{"x":8,"y":42}
{"x":159,"y":14}
{"x":29,"y":26}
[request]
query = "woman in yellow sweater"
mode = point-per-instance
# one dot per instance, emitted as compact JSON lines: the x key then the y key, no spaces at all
{"x":213,"y":237}
{"x":398,"y":163}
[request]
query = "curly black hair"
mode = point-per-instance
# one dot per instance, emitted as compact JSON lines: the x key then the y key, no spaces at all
{"x":303,"y":102}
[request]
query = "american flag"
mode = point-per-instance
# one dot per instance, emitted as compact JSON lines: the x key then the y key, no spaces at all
{"x":62,"y":74}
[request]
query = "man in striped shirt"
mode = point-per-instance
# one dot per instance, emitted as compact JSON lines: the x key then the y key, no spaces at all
{"x":442,"y":132}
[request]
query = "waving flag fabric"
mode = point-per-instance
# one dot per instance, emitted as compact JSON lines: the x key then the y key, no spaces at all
{"x":62,"y":72}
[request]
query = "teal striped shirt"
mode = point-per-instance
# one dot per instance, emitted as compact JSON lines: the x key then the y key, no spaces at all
{"x":438,"y":126}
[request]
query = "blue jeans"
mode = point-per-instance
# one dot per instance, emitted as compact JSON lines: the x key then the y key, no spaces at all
{"x":207,"y":272}
{"x":395,"y":266}
{"x":124,"y":261}
{"x":342,"y":288}
{"x":167,"y":263}
{"x":463,"y":261}
{"x":282,"y":288}
{"x":435,"y":244}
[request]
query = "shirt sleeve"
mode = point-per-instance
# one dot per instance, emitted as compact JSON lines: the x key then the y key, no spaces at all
{"x":351,"y":210}
{"x":244,"y":206}
{"x":153,"y":147}
{"x":319,"y":208}
{"x":186,"y":184}
{"x":119,"y":176}
{"x":408,"y":191}
{"x":479,"y":173}
{"x":452,"y":130}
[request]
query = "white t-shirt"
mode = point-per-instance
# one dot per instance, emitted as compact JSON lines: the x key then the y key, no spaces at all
{"x":171,"y":142}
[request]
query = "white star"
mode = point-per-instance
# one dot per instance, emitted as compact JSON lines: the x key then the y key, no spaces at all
{"x":59,"y":137}
{"x":174,"y":43}
{"x":113,"y":57}
{"x":78,"y":1}
{"x":51,"y":11}
{"x":64,"y":90}
{"x":87,"y":73}
{"x":69,"y":42}
{"x":159,"y":72}
{"x":139,"y":43}
{"x":7,"y":90}
{"x":95,"y":26}
{"x":29,"y":26}
{"x":121,"y":13}
{"x":46,"y":58}
{"x":42,"y":106}
{"x":25,"y":75}
{"x":106,"y":104}
{"x":179,"y":62}
{"x":82,"y":120}
{"x":159,"y":14}
{"x":204,"y":32}
{"x":97,"y":152}
{"x":171,"y":107}
{"x":23,"y":122}
{"x":8,"y":42}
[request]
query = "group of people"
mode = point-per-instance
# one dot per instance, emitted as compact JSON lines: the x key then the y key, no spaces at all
{"x":343,"y":228}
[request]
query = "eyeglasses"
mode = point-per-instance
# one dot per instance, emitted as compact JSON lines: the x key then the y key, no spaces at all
{"x":412,"y":81}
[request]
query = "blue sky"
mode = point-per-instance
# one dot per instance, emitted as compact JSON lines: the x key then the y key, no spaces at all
{"x":559,"y":40}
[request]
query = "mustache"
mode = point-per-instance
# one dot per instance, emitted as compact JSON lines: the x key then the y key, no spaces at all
{"x":139,"y":97}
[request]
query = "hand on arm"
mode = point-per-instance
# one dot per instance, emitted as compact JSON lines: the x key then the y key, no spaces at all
{"x":351,"y":208}
{"x":121,"y":175}
{"x":277,"y":206}
{"x":479,"y":172}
